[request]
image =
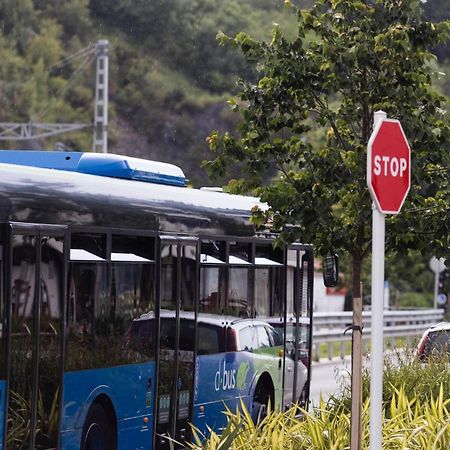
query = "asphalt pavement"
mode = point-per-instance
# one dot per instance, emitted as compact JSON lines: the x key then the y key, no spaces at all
{"x":328,"y":377}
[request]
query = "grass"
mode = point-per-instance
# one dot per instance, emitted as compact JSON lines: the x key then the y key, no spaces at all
{"x":336,"y":348}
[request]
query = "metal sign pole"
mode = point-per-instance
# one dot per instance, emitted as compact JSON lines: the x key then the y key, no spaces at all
{"x":377,"y":345}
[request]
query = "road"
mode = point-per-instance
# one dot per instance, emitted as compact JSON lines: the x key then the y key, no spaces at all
{"x":328,"y":377}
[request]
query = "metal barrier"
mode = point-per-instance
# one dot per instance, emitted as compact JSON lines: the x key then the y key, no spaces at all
{"x":329,"y":328}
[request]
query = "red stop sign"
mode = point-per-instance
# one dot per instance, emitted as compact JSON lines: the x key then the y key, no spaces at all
{"x":388,"y":166}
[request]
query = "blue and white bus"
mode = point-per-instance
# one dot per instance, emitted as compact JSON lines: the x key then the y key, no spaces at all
{"x":133,"y":306}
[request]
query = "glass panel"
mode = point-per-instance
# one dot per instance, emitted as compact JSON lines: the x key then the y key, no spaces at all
{"x":167,"y":343}
{"x":2,"y":327}
{"x":238,"y":303}
{"x":87,"y":306}
{"x":2,"y":335}
{"x":262,"y":292}
{"x":304,"y":324}
{"x":23,"y":284}
{"x":248,"y":339}
{"x":241,"y":250}
{"x":276,"y":338}
{"x":141,"y":247}
{"x":213,"y":251}
{"x":263,"y":337}
{"x":210,"y":339}
{"x":78,"y":254}
{"x":212,"y":280}
{"x":188,"y":278}
{"x":185,"y":383}
{"x":132,"y":299}
{"x":52,"y":279}
{"x":291,"y":266}
{"x":290,"y":373}
{"x":91,"y":243}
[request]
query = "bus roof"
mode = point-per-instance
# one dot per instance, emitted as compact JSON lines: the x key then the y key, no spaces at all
{"x":40,"y":195}
{"x":102,"y":164}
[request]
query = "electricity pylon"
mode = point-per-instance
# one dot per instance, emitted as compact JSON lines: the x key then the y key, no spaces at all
{"x":15,"y":131}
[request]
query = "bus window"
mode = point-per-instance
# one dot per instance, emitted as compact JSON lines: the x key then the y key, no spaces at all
{"x":35,"y":356}
{"x":269,"y":301}
{"x":22,"y":331}
{"x":3,"y":365}
{"x":212,"y":277}
{"x":262,"y":292}
{"x":132,"y":295}
{"x":132,"y":298}
{"x":102,"y":309}
{"x":177,"y":341}
{"x":238,"y":302}
{"x":238,"y":292}
{"x":188,"y":278}
{"x":2,"y":326}
{"x":86,"y":321}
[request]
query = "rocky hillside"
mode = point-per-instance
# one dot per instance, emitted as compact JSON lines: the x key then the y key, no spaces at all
{"x":169,"y":78}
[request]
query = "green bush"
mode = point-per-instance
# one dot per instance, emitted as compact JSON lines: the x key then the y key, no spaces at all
{"x":403,"y":369}
{"x":416,"y":415}
{"x":410,"y":424}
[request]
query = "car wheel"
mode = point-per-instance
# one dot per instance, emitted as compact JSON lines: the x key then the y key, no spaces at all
{"x":97,"y":430}
{"x":259,"y":412}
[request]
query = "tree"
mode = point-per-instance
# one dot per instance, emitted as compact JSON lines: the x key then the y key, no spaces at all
{"x":350,"y":59}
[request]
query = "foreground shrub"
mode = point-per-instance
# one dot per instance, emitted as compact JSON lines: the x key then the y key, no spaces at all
{"x":402,"y":369}
{"x":411,"y":423}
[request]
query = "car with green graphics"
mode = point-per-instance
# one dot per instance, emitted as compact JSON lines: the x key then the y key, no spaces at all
{"x":237,"y":359}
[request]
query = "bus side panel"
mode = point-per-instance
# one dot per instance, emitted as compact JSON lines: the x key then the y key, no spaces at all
{"x":221,"y":381}
{"x":2,"y":410}
{"x":130,"y":388}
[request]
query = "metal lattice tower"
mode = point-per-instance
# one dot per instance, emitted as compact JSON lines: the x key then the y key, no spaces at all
{"x":14,"y":131}
{"x":100,"y":138}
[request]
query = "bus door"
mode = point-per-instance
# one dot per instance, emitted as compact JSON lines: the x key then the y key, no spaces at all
{"x":298,"y":326}
{"x":36,"y":274}
{"x":177,"y":335}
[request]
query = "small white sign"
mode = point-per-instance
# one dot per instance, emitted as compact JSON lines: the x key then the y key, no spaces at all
{"x":437,"y":265}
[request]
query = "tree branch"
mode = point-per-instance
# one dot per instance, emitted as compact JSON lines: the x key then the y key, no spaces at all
{"x":332,"y":124}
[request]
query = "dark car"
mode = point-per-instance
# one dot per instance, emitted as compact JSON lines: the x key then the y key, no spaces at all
{"x":436,"y":340}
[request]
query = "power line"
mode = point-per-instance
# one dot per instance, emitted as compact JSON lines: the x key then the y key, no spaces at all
{"x":89,"y":58}
{"x":79,"y":54}
{"x":14,"y":131}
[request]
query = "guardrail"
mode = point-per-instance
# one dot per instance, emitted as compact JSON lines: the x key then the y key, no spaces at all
{"x":328,"y":328}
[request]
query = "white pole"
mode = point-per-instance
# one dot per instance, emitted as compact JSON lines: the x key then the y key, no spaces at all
{"x":436,"y":289}
{"x":377,"y":349}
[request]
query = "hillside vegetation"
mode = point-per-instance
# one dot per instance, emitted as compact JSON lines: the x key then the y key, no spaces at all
{"x":169,"y":78}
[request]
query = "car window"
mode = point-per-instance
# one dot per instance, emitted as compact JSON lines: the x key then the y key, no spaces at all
{"x":187,"y":334}
{"x":209,"y":339}
{"x":438,"y":341}
{"x":275,"y":336}
{"x":263,"y":337}
{"x":248,"y":338}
